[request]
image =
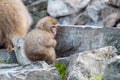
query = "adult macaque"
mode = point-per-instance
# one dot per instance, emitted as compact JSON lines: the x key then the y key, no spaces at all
{"x":40,"y":43}
{"x":14,"y":21}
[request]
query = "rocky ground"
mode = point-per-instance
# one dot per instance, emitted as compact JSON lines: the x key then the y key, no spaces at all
{"x":80,"y":66}
{"x":104,"y":13}
{"x":86,"y":51}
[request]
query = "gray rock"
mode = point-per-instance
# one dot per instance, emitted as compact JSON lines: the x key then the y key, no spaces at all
{"x":110,"y":21}
{"x":7,"y":57}
{"x":73,"y":39}
{"x":87,"y":15}
{"x":112,"y":71}
{"x":118,"y":25}
{"x":29,"y":2}
{"x":78,"y":5}
{"x":90,"y":63}
{"x":110,"y":16}
{"x":37,"y":71}
{"x":41,"y":75}
{"x":7,"y":66}
{"x":76,"y":75}
{"x":19,"y":51}
{"x":94,"y":9}
{"x":38,"y":6}
{"x":64,"y":60}
{"x":80,"y":18}
{"x":75,"y":19}
{"x":106,"y":11}
{"x":57,"y":8}
{"x":115,"y":2}
{"x":92,"y":23}
{"x":93,"y":13}
{"x":65,"y":20}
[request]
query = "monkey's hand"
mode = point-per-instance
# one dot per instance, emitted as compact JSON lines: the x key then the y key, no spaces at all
{"x":51,"y":43}
{"x":54,"y":43}
{"x":10,"y":48}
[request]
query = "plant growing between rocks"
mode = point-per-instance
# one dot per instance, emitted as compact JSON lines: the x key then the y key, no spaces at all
{"x":61,"y":70}
{"x":100,"y":77}
{"x":2,"y":62}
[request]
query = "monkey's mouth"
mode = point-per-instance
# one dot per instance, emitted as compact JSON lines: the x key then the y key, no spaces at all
{"x":54,"y":31}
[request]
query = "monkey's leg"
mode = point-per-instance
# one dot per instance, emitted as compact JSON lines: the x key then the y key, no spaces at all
{"x":51,"y":56}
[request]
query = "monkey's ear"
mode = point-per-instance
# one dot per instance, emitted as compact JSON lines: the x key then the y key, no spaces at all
{"x":40,"y":25}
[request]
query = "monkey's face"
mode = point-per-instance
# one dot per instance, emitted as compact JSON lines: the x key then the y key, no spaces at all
{"x":54,"y":29}
{"x":51,"y":27}
{"x":48,"y":24}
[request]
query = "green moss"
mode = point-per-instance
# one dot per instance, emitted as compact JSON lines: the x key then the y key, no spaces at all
{"x":2,"y":62}
{"x":96,"y":78}
{"x":61,"y":70}
{"x":39,"y":15}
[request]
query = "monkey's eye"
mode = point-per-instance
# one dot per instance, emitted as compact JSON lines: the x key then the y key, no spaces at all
{"x":53,"y":26}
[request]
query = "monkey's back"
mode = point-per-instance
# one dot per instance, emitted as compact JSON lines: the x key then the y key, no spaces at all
{"x":14,"y":17}
{"x":34,"y":44}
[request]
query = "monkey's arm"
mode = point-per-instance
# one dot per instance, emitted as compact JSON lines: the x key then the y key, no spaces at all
{"x":50,"y":43}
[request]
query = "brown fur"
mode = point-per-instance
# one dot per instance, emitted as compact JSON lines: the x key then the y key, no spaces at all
{"x":14,"y":21}
{"x":40,"y":42}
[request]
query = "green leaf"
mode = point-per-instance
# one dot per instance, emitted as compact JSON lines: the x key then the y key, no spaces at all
{"x":60,"y":67}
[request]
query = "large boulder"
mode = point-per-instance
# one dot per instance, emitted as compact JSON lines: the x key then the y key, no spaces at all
{"x":115,"y":2}
{"x":90,"y":63}
{"x":57,"y":8}
{"x":73,"y":39}
{"x":94,"y":9}
{"x":36,"y":71}
{"x":112,"y":71}
{"x":110,"y":16}
{"x":79,"y":66}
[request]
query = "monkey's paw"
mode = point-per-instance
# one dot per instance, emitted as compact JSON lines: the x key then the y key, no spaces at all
{"x":10,"y":48}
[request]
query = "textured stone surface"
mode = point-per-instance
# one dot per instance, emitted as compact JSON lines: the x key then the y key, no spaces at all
{"x":90,"y":63}
{"x":29,"y":2}
{"x":36,"y":71}
{"x":7,"y":57}
{"x":115,"y":2}
{"x":19,"y":51}
{"x":112,"y":71}
{"x":73,"y":39}
{"x":64,"y":60}
{"x":94,"y":9}
{"x":38,"y":6}
{"x":110,"y":16}
{"x":80,"y":18}
{"x":77,"y":4}
{"x":57,"y":8}
{"x":76,"y":75}
{"x":65,"y":20}
{"x":41,"y":75}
